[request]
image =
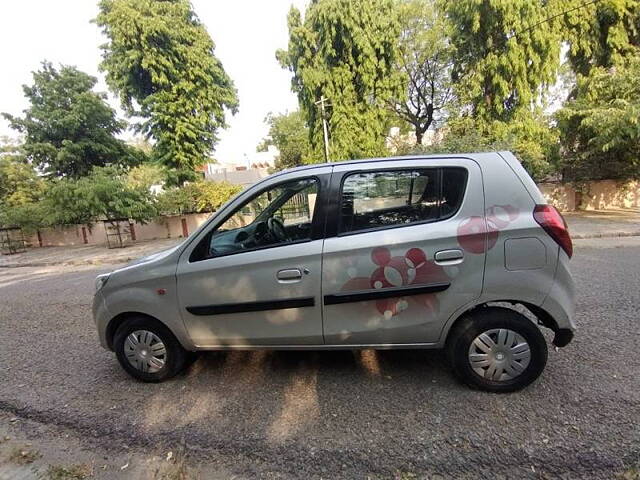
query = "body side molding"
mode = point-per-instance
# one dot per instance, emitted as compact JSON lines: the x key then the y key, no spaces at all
{"x":382,"y":293}
{"x":252,"y":306}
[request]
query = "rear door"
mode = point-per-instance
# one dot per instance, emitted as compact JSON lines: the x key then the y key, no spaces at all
{"x":404,"y":249}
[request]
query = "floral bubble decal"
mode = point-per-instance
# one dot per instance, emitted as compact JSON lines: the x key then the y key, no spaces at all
{"x":413,"y":268}
{"x":471,"y":231}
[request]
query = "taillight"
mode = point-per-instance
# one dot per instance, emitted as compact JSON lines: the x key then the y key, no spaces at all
{"x":553,"y":223}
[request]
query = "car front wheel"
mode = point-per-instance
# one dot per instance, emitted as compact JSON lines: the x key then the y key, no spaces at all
{"x":147,"y":350}
{"x":497,"y":350}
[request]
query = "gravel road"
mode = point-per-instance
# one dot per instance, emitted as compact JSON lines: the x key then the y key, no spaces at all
{"x":333,"y":414}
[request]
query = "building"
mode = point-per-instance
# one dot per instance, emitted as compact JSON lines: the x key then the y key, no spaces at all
{"x":251,"y":170}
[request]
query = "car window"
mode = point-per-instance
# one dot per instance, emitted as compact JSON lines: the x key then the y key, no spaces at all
{"x":400,"y":197}
{"x":277,"y":216}
{"x":453,"y":186}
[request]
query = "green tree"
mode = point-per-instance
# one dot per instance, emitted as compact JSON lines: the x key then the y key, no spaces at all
{"x":160,"y":60}
{"x":507,"y":53}
{"x":68,"y":128}
{"x":197,"y":197}
{"x":104,"y":194}
{"x":176,"y":201}
{"x":21,"y":190}
{"x":345,"y":51}
{"x":599,"y":33}
{"x":146,"y":175}
{"x":600,"y":125}
{"x":426,"y":60}
{"x":28,"y":216}
{"x":290,"y":135}
{"x":530,"y":136}
{"x":209,"y":196}
{"x":19,"y":182}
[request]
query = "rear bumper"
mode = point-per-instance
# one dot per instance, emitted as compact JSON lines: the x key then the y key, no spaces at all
{"x":560,"y":303}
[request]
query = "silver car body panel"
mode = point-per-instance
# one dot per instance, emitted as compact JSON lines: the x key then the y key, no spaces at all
{"x":218,"y":281}
{"x":349,"y":263}
{"x":506,"y":256}
{"x":198,"y":286}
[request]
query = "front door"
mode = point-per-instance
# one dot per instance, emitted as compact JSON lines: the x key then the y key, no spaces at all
{"x":396,"y":260}
{"x":254,"y":277}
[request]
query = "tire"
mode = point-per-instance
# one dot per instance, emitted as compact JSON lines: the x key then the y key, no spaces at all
{"x":161,"y":363}
{"x":513,"y":368}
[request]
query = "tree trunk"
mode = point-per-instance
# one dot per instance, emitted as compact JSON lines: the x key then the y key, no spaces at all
{"x":419,"y":135}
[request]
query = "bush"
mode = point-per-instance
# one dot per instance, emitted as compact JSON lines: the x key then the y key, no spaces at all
{"x":29,"y":216}
{"x":146,"y":175}
{"x":103,"y":194}
{"x":198,"y":197}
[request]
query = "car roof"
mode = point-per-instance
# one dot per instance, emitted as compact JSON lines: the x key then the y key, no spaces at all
{"x":434,"y":156}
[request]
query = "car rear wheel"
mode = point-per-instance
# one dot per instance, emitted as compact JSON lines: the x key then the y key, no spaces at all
{"x":497,"y":350}
{"x":147,"y":350}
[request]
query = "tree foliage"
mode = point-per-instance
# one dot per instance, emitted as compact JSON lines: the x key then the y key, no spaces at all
{"x":69,"y":128}
{"x":600,"y":125}
{"x":104,"y":194}
{"x":21,"y":190}
{"x":599,"y":33}
{"x":19,"y":182}
{"x":160,"y":60}
{"x":146,"y":175}
{"x":197,"y":197}
{"x":426,"y":59}
{"x":345,"y":50}
{"x":290,"y":135}
{"x":507,"y":53}
{"x":530,"y":136}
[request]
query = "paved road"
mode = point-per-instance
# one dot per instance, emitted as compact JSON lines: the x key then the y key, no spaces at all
{"x":335,"y":414}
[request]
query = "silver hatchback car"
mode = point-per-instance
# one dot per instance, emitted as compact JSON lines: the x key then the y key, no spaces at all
{"x":457,"y":251}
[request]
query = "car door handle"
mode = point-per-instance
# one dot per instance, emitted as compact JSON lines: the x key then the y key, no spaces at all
{"x":289,"y":275}
{"x":449,"y":257}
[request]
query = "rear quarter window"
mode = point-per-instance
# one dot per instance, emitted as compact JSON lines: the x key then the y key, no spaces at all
{"x":391,"y":198}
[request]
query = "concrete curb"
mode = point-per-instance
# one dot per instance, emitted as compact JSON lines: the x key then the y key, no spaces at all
{"x":73,"y":263}
{"x":579,"y":236}
{"x":117,"y":261}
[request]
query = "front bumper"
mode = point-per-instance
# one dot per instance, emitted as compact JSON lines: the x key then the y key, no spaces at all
{"x":101,"y":318}
{"x":563,"y":337}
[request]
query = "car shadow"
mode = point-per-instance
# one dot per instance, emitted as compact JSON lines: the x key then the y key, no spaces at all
{"x":332,"y":362}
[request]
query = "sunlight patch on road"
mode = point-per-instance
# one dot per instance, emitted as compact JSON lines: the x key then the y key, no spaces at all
{"x":300,"y":406}
{"x":369,"y":361}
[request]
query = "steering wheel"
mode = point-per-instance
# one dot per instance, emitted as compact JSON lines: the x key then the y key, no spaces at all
{"x":276,"y":228}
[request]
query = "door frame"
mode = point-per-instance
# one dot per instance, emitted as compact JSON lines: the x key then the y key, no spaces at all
{"x":332,"y":230}
{"x":211,"y":307}
{"x":318,"y":222}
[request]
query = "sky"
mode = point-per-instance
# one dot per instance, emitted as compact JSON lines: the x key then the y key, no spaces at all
{"x":246,"y":33}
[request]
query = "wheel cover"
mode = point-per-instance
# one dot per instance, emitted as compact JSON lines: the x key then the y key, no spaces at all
{"x":499,"y":354}
{"x":145,"y":351}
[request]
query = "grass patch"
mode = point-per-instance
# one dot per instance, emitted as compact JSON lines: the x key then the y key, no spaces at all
{"x":176,"y":471}
{"x":399,"y":475}
{"x":23,"y":455}
{"x":71,"y":472}
{"x":174,"y":468}
{"x":632,"y":473}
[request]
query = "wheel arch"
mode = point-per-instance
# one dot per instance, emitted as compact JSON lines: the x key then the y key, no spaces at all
{"x":534,"y":313}
{"x":120,"y":318}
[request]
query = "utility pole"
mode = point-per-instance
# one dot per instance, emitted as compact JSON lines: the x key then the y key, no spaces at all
{"x":325,"y":129}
